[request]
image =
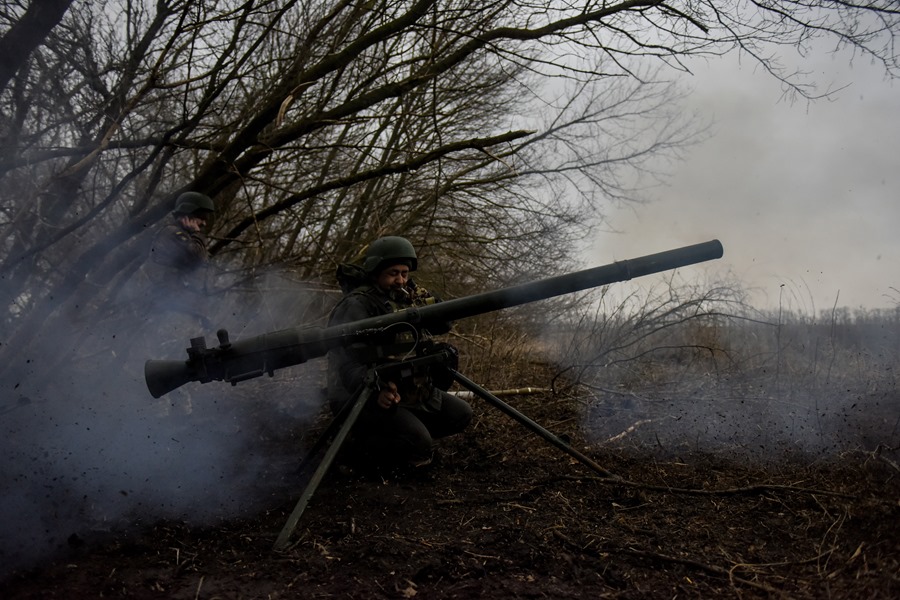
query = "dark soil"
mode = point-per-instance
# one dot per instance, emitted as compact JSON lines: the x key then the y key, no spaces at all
{"x":503,"y":514}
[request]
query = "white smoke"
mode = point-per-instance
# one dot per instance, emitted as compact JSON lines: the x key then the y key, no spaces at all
{"x":89,"y":453}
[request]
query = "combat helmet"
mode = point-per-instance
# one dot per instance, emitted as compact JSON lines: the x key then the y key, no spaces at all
{"x":189,"y":203}
{"x":389,"y":250}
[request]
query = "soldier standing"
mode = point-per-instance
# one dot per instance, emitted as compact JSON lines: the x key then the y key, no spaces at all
{"x":176,"y":271}
{"x":179,"y":258}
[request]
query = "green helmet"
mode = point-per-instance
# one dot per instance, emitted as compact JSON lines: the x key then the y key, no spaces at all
{"x":189,"y":203}
{"x":389,"y":250}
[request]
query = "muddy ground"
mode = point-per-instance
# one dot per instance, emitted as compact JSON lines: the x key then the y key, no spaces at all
{"x":503,"y":514}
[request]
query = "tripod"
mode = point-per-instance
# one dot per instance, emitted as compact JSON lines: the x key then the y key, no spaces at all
{"x":343,"y":422}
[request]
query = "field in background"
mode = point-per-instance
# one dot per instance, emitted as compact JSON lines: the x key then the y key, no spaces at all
{"x":683,"y":377}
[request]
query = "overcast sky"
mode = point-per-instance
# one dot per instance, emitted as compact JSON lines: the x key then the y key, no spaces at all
{"x":801,"y":195}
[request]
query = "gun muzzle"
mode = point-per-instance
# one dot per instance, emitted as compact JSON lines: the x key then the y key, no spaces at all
{"x":163,"y":376}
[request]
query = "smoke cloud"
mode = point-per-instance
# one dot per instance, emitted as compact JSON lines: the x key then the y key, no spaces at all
{"x":89,"y":453}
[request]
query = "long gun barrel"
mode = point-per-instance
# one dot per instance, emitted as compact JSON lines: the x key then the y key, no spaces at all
{"x":264,"y":354}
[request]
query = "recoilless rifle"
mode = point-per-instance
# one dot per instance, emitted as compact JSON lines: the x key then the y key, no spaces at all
{"x":245,"y":359}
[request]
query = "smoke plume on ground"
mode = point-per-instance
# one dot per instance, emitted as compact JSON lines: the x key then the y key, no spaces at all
{"x":763,"y":393}
{"x":89,"y":453}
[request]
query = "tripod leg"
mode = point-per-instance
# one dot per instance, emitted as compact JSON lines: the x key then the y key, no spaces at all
{"x":523,"y":420}
{"x":291,"y":524}
{"x":328,"y":434}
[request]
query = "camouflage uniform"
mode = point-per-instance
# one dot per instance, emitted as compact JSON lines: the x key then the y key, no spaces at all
{"x":174,"y":303}
{"x":177,"y":270}
{"x":405,"y":432}
{"x":177,"y":265}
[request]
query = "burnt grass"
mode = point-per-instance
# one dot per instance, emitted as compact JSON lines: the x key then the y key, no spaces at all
{"x":504,"y":514}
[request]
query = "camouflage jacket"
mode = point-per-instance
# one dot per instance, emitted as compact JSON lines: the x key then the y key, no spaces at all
{"x":177,"y":269}
{"x":348,"y":366}
{"x":177,"y":248}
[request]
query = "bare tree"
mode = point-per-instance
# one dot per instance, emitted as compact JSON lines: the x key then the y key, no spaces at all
{"x":26,"y":33}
